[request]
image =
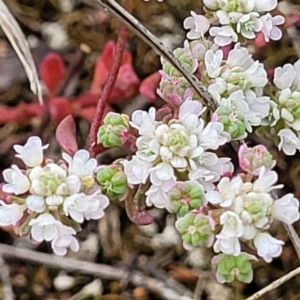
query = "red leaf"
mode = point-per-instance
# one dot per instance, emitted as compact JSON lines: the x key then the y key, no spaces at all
{"x":66,"y":135}
{"x":52,"y":71}
{"x":126,"y":86}
{"x":59,"y":108}
{"x":149,"y":85}
{"x":104,"y":64}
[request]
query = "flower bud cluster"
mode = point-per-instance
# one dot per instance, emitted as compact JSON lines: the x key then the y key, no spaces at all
{"x":114,"y":131}
{"x":285,"y":111}
{"x":49,"y":200}
{"x":244,"y":210}
{"x":175,"y":149}
{"x":238,"y":20}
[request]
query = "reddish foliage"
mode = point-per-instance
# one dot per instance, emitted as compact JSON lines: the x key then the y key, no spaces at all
{"x":127,"y":81}
{"x":149,"y":85}
{"x":59,"y":108}
{"x":52,"y":71}
{"x":66,"y":135}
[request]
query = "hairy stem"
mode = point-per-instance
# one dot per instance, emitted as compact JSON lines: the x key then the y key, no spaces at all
{"x":118,"y":56}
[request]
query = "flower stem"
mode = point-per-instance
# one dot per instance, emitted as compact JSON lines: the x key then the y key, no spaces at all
{"x":118,"y":56}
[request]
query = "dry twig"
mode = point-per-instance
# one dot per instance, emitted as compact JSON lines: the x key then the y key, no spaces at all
{"x":275,"y":284}
{"x":162,"y":289}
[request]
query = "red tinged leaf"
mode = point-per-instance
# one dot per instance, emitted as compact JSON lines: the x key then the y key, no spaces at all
{"x":52,"y":71}
{"x":126,"y":86}
{"x":260,"y":41}
{"x":135,"y":213}
{"x":104,"y":64}
{"x":59,"y":108}
{"x":21,"y":114}
{"x":66,"y":135}
{"x":149,"y":85}
{"x":88,"y":112}
{"x":291,"y":20}
{"x":87,"y":99}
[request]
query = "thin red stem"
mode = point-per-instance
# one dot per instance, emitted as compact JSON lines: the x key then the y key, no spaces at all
{"x":118,"y":56}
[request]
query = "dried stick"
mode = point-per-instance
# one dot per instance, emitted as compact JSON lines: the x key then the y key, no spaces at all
{"x":275,"y":284}
{"x":118,"y":56}
{"x":8,"y":292}
{"x":162,"y":289}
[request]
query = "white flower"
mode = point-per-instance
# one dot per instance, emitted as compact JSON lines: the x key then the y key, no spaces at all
{"x":213,"y":136}
{"x":144,"y":122}
{"x":64,"y":239}
{"x":148,"y":147}
{"x":80,"y":164}
{"x":75,"y":206}
{"x":198,"y":25}
{"x":227,"y":192}
{"x":53,"y":183}
{"x":161,"y":172}
{"x":212,"y":61}
{"x":265,"y":181}
{"x":259,"y":107}
{"x":10,"y":214}
{"x":157,"y":195}
{"x":223,"y":35}
{"x":136,"y":170}
{"x":266,"y":5}
{"x":270,"y":29}
{"x":36,"y":203}
{"x":227,"y":245}
{"x":32,"y":152}
{"x":249,"y":24}
{"x":97,"y":204}
{"x":267,"y":246}
{"x":284,"y":76}
{"x":286,"y":209}
{"x":211,"y":4}
{"x":289,"y":142}
{"x":44,"y":227}
{"x":232,"y":224}
{"x":18,"y":183}
{"x":209,"y":169}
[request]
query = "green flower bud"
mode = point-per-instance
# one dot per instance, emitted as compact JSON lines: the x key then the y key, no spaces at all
{"x":199,"y":48}
{"x":186,"y":196}
{"x":186,"y":59}
{"x":251,"y":159}
{"x":234,"y":125}
{"x":173,"y":89}
{"x":114,"y":126}
{"x":230,"y":268}
{"x":296,"y":112}
{"x":195,"y":230}
{"x":113,"y":181}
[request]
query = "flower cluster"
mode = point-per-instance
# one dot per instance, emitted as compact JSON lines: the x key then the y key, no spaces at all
{"x":239,"y":20}
{"x":285,"y":111}
{"x":175,"y":163}
{"x":236,"y":83}
{"x":45,"y":194}
{"x":247,"y":210}
{"x":175,"y":148}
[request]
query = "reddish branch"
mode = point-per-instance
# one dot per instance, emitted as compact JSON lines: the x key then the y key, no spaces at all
{"x":92,"y":139}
